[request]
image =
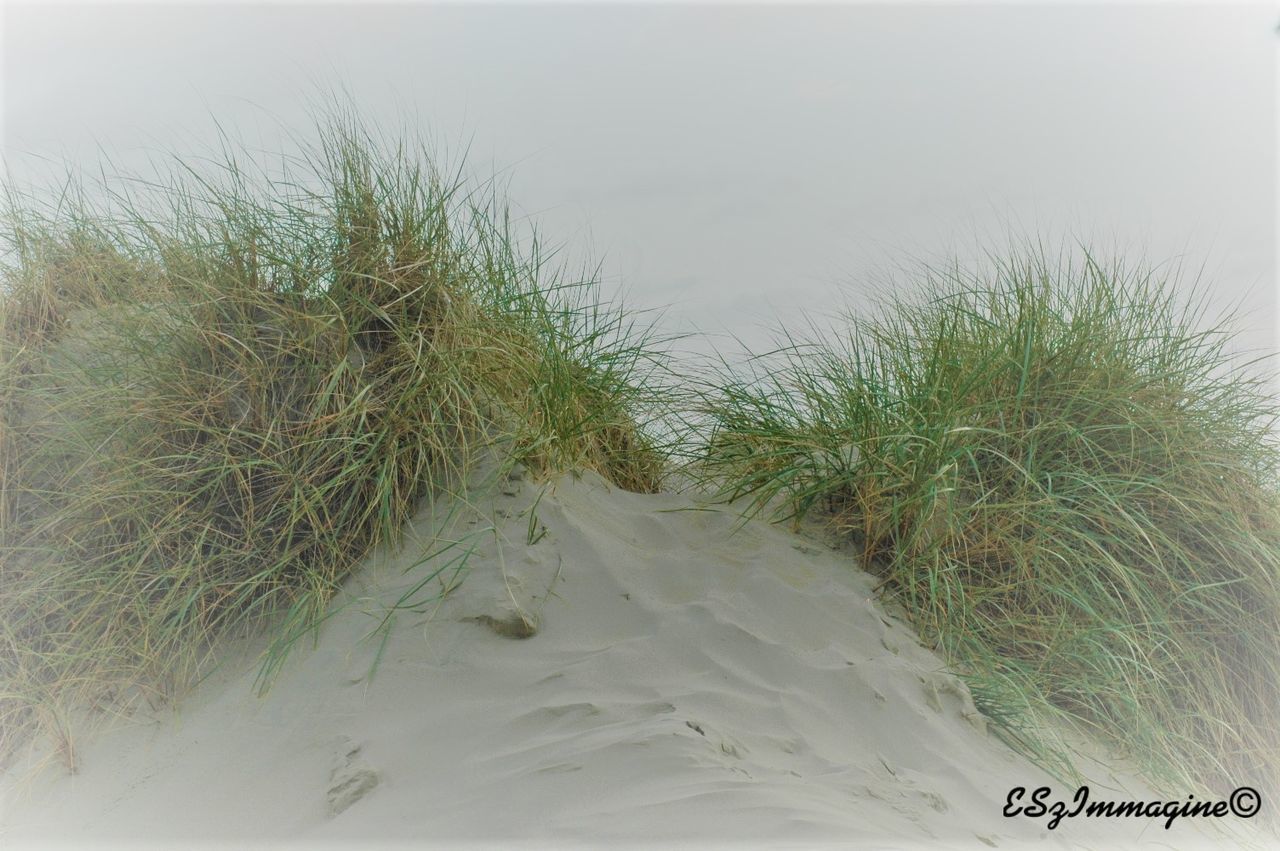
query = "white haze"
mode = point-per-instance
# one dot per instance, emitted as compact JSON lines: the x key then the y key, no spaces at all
{"x":737,"y":165}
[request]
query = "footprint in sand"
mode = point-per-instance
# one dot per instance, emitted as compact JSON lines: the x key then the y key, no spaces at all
{"x":943,"y":692}
{"x":935,"y":801}
{"x":728,"y":748}
{"x":513,"y":624}
{"x":350,"y":780}
{"x":512,"y":482}
{"x":907,"y":789}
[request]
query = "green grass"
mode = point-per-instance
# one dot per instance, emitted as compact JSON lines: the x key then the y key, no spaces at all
{"x":1069,"y":485}
{"x":222,"y":387}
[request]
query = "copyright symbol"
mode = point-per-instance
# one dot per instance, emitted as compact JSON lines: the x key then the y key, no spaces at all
{"x":1245,"y":802}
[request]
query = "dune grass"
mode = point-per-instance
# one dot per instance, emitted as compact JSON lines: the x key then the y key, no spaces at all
{"x":221,"y":388}
{"x":1069,"y":486}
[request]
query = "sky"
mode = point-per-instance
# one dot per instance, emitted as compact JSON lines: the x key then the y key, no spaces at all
{"x":734,"y":166}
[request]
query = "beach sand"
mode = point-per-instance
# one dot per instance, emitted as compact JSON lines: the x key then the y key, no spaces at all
{"x":688,"y":678}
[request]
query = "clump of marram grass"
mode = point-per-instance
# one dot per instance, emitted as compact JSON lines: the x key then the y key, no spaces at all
{"x":1069,"y":487}
{"x":217,"y":394}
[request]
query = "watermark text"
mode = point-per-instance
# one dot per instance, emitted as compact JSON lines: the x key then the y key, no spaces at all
{"x":1244,"y":802}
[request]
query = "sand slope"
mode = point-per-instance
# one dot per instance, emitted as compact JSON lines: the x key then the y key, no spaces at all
{"x":687,"y":682}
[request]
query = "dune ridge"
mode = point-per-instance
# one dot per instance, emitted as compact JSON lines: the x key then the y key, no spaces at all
{"x":690,"y":678}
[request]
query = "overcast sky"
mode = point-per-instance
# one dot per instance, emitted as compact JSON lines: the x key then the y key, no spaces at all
{"x":738,"y":165}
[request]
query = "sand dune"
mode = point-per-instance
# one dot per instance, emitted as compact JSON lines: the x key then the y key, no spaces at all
{"x":686,"y":680}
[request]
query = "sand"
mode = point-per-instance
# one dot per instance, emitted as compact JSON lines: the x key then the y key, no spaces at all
{"x":649,"y":670}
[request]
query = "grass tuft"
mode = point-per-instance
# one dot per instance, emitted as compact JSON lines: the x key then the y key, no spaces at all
{"x":1069,"y":485}
{"x":220,"y":389}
